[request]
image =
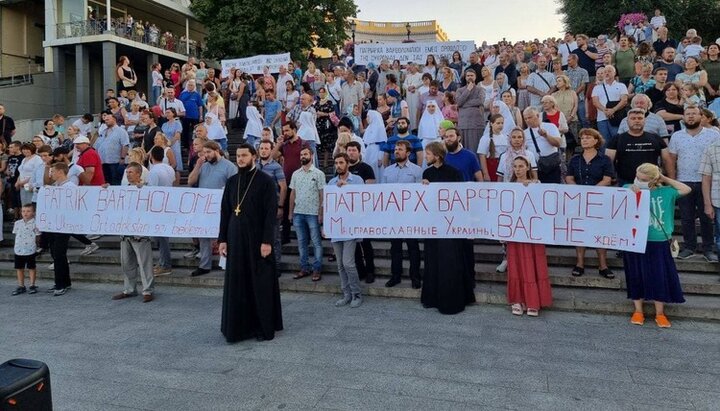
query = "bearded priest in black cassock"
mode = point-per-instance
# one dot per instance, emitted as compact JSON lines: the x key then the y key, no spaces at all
{"x":251,"y":297}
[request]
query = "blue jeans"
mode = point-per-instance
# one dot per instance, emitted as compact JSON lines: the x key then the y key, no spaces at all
{"x":607,"y":130}
{"x":155,"y":94}
{"x":582,"y":116}
{"x":308,"y":228}
{"x":113,"y":173}
{"x":223,"y":143}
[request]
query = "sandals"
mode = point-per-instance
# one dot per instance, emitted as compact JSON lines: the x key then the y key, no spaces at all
{"x":578,"y":271}
{"x":301,"y":274}
{"x":516,"y":309}
{"x":605,"y":272}
{"x":316,"y":276}
{"x":531,"y":312}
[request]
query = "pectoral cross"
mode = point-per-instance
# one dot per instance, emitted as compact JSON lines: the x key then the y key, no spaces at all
{"x":237,"y":210}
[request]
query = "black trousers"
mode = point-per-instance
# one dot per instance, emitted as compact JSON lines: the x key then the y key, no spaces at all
{"x":364,"y":258}
{"x":396,"y":256}
{"x":58,"y":250}
{"x":188,"y":125}
{"x":285,"y":234}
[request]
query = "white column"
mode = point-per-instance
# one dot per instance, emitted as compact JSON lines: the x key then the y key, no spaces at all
{"x":187,"y":36}
{"x":109,"y":19}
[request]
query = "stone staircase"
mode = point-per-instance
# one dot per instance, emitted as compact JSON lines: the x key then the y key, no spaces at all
{"x":589,"y":293}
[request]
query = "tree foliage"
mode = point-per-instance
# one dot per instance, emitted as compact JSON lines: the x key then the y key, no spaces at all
{"x":594,"y":17}
{"x":242,"y":28}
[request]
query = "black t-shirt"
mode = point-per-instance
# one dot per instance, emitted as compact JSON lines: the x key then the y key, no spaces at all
{"x":363,"y":170}
{"x":633,"y":151}
{"x":671,"y":109}
{"x":149,"y":139}
{"x":586,"y":61}
{"x":444,"y":173}
{"x":7,"y":125}
{"x":13,"y":163}
{"x":656,"y":96}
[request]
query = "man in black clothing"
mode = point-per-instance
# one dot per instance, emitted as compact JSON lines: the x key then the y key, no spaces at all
{"x":629,"y":150}
{"x":147,"y":119}
{"x":7,"y":126}
{"x":364,"y":253}
{"x":508,"y":67}
{"x":656,"y":93}
{"x":475,"y":64}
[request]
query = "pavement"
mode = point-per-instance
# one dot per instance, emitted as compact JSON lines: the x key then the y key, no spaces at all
{"x":389,"y":354}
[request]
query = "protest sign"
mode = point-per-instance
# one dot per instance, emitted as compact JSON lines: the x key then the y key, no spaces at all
{"x":411,"y":52}
{"x":128,"y":210}
{"x":589,"y":216}
{"x":256,"y":64}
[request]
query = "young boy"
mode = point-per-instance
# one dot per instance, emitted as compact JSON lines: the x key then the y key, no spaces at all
{"x":25,"y":239}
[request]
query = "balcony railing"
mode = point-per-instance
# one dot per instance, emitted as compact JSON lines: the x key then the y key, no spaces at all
{"x":152,"y":37}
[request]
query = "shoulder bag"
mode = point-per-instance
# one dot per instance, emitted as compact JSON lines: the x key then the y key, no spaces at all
{"x":674,"y":246}
{"x":545,"y":163}
{"x":619,"y":115}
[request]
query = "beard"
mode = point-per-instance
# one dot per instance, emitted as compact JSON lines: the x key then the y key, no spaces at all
{"x":400,"y":159}
{"x":451,"y":147}
{"x":245,"y":169}
{"x":402,"y":130}
{"x":211,"y":160}
{"x":431,"y":162}
{"x":692,"y":126}
{"x":305,"y":161}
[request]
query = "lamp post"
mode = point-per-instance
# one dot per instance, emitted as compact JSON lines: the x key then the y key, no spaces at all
{"x":353,"y":25}
{"x":408,"y":27}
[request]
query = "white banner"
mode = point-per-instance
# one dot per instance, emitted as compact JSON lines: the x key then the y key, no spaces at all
{"x":256,"y":64}
{"x":411,"y":52}
{"x":128,"y":210}
{"x":599,"y":217}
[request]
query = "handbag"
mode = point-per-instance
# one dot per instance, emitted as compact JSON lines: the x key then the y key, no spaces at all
{"x":674,"y":245}
{"x":334,"y":119}
{"x":548,"y":162}
{"x":619,"y":115}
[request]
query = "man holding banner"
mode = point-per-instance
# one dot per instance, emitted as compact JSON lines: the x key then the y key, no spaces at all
{"x":251,"y":294}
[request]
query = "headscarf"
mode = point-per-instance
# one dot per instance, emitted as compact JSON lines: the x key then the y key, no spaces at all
{"x":430,"y":123}
{"x":375,"y":131}
{"x":504,"y":87}
{"x":307,"y":129}
{"x":254,"y":122}
{"x":355,"y":119}
{"x":511,"y":153}
{"x":509,"y":123}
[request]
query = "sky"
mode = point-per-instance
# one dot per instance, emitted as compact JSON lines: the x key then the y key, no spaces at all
{"x":473,"y":19}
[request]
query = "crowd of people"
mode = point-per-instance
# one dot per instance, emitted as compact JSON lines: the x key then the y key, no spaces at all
{"x":628,"y":111}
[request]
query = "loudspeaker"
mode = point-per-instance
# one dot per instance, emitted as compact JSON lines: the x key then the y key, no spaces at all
{"x":25,"y":385}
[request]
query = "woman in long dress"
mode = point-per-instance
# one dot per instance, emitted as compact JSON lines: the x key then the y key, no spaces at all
{"x":413,"y":81}
{"x":430,"y":123}
{"x":528,"y":282}
{"x":373,"y":137}
{"x":234,"y":87}
{"x":253,"y":129}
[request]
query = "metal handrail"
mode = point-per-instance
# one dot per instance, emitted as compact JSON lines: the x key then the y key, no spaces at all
{"x":152,"y":37}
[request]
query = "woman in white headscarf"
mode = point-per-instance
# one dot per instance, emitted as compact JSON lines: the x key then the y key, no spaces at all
{"x":253,"y":129}
{"x":374,"y":137}
{"x":499,"y":107}
{"x":430,"y":123}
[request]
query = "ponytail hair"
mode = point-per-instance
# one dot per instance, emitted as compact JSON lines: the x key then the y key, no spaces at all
{"x":491,"y":149}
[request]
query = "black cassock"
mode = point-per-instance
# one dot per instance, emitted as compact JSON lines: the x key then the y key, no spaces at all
{"x":446,"y":285}
{"x":251,"y":298}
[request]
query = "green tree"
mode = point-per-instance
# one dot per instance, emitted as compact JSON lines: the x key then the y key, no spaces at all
{"x":594,"y":17}
{"x":242,"y":28}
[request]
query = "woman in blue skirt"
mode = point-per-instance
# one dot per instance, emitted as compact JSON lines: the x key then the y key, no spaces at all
{"x":652,"y":275}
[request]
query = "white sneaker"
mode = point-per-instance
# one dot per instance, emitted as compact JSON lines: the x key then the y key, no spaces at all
{"x":51,"y":267}
{"x":93,"y":237}
{"x":502,"y":267}
{"x":192,"y":253}
{"x":91,"y":248}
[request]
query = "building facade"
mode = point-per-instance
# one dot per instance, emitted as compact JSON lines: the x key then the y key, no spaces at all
{"x":397,"y":32}
{"x":80,"y":42}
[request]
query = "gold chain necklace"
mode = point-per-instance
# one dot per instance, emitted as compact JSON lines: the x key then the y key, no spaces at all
{"x":238,"y":209}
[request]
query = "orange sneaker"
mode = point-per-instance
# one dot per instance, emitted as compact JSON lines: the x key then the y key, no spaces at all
{"x":637,"y":318}
{"x":662,"y":321}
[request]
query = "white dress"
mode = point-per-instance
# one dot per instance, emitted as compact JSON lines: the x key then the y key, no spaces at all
{"x":233,"y":108}
{"x":413,"y":98}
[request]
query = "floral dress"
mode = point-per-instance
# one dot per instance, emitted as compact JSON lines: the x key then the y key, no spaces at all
{"x":325,"y":128}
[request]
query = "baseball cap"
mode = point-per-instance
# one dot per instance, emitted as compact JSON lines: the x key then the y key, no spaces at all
{"x":446,"y":124}
{"x":81,"y":140}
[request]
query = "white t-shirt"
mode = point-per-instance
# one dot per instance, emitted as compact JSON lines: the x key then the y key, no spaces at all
{"x":565,"y":50}
{"x":281,"y":81}
{"x":74,"y":173}
{"x":615,"y":91}
{"x":85,"y":129}
{"x":658,"y":21}
{"x":501,"y":144}
{"x":161,"y":175}
{"x":545,"y":147}
{"x":505,"y":171}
